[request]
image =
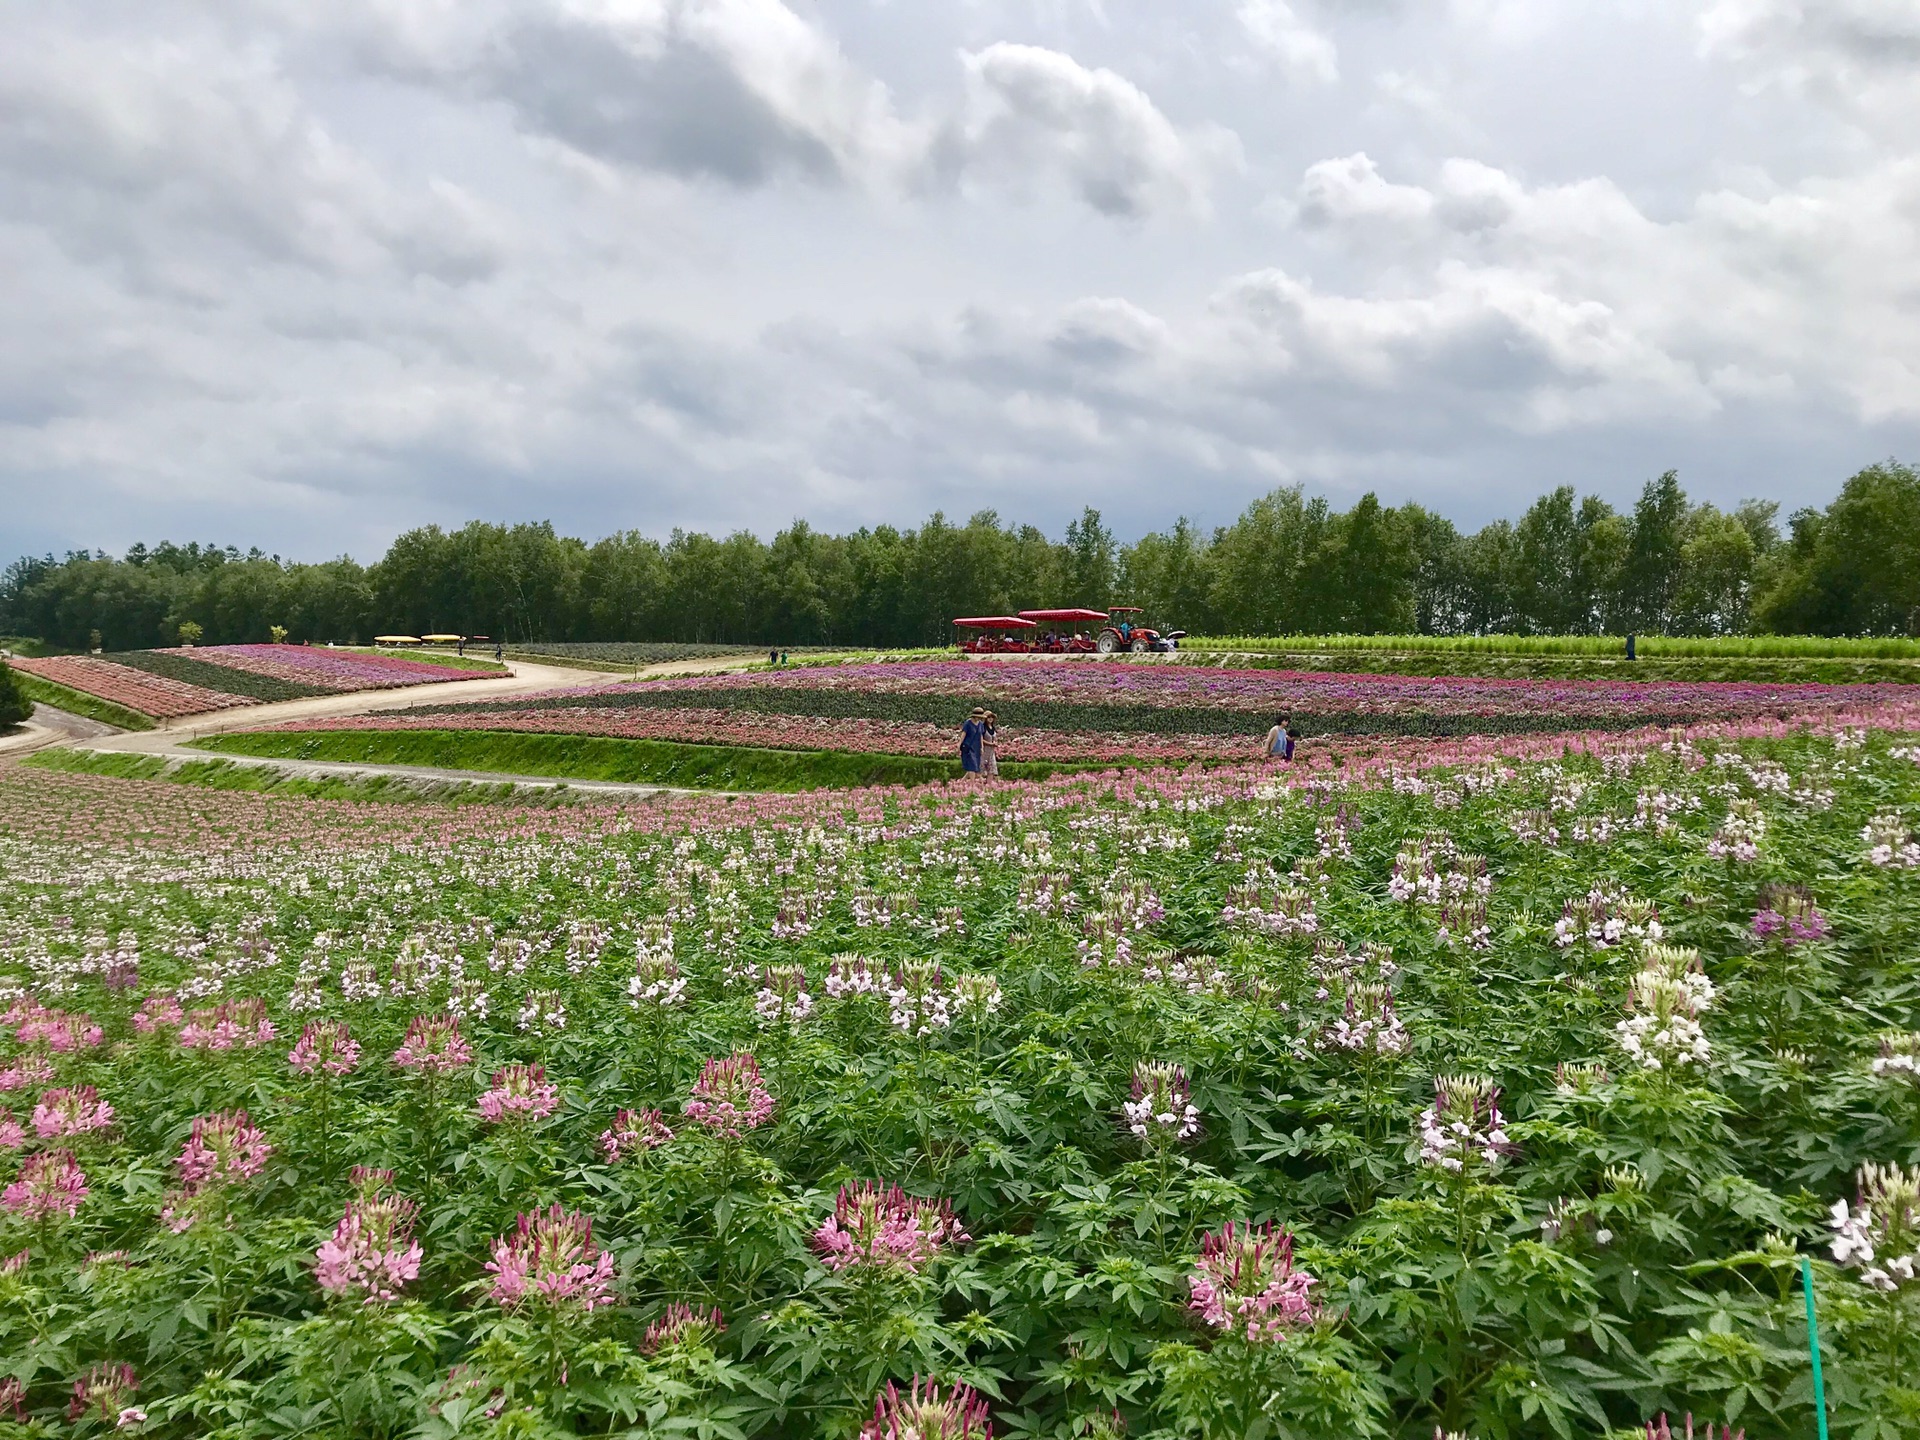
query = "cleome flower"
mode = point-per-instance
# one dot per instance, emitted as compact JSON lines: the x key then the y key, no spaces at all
{"x":1662,"y":1030}
{"x":633,"y":1132}
{"x":1369,"y":1025}
{"x":158,"y":1013}
{"x":105,"y":1393}
{"x":683,"y":1327}
{"x":1788,"y":916}
{"x":325,"y":1048}
{"x":850,"y":975}
{"x":550,"y":1259}
{"x":656,"y":981}
{"x":71,"y":1112}
{"x":372,"y":1253}
{"x":50,"y":1185}
{"x":13,"y":1135}
{"x":519,"y":1093}
{"x":976,"y":995}
{"x":230,"y":1025}
{"x":886,"y":1229}
{"x":1880,"y":1234}
{"x":783,"y":996}
{"x":1245,"y":1284}
{"x":433,"y":1046}
{"x":1890,"y":844}
{"x":729,"y":1098}
{"x":918,"y":1002}
{"x":224,"y":1150}
{"x":1464,"y":1127}
{"x":1899,"y":1057}
{"x":1662,"y":1429}
{"x":923,"y":1413}
{"x":1161,"y":1111}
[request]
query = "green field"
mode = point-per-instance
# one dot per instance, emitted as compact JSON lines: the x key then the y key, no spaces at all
{"x":593,"y":757}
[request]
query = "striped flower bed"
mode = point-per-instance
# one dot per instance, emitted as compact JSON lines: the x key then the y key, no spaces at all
{"x":797,"y":732}
{"x":153,"y":695}
{"x":334,"y":671}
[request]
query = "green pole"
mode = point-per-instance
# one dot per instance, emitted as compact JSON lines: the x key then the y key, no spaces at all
{"x":1813,"y":1348}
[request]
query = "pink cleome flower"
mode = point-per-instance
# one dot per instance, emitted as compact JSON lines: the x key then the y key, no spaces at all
{"x":520,"y":1092}
{"x":325,"y":1046}
{"x":550,"y":1258}
{"x":923,"y":1413}
{"x":12,"y":1133}
{"x":634,"y":1132}
{"x":1245,"y":1283}
{"x":75,"y":1111}
{"x":224,"y":1149}
{"x":886,"y":1229}
{"x":27,"y":1070}
{"x":729,"y":1098}
{"x":158,"y":1013}
{"x":372,"y":1253}
{"x":50,"y":1184}
{"x":105,"y":1393}
{"x":682,"y":1325}
{"x":434,"y":1046}
{"x":39,"y":1028}
{"x":230,"y":1025}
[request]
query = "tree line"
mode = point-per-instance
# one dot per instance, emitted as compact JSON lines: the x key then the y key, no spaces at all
{"x":1290,"y":564}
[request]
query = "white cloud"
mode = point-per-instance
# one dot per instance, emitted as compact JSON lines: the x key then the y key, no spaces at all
{"x":1281,"y":36}
{"x":1036,"y":116}
{"x":1862,"y":56}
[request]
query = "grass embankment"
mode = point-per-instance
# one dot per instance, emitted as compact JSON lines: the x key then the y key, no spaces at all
{"x":78,"y":702}
{"x":594,"y":757}
{"x":446,"y":659}
{"x":226,"y":775}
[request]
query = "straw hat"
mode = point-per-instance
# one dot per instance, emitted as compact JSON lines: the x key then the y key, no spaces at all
{"x":978,"y":712}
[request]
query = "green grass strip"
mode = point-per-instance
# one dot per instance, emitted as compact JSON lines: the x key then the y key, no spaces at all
{"x":264,"y":779}
{"x":595,"y":757}
{"x":430,"y":657}
{"x":78,"y":702}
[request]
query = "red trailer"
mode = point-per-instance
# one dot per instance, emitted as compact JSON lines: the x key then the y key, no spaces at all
{"x":1067,"y":629}
{"x":1009,"y":641}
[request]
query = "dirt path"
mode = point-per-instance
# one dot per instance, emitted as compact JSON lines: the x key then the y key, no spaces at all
{"x":524,"y":679}
{"x":48,"y":726}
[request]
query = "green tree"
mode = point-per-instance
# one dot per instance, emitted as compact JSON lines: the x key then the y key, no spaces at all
{"x":1854,"y":570}
{"x":1092,"y":558}
{"x":1650,"y":572}
{"x":14,"y":705}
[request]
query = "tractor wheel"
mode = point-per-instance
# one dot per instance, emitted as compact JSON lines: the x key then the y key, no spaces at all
{"x":1138,"y":647}
{"x":1107,"y":643}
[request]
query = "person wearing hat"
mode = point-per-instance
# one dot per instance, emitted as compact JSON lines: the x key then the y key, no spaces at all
{"x":970,"y":736}
{"x":989,"y":745}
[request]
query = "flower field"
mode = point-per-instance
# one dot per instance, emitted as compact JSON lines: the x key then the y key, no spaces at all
{"x":1503,"y":1097}
{"x":166,"y":684}
{"x":1094,"y":711}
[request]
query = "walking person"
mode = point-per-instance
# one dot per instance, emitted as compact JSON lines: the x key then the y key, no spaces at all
{"x":989,"y":745}
{"x":971,"y":735}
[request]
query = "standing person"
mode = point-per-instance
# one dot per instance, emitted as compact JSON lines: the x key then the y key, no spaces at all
{"x":1279,"y":742}
{"x":773,"y":657}
{"x":971,"y":734}
{"x":989,"y":745}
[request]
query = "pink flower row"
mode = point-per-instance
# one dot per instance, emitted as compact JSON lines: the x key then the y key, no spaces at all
{"x":338,"y":670}
{"x":151,"y":695}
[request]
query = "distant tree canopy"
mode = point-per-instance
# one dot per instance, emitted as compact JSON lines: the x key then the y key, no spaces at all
{"x":1289,"y":564}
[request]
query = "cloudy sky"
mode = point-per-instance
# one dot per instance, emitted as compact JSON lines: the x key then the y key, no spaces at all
{"x":303,"y":274}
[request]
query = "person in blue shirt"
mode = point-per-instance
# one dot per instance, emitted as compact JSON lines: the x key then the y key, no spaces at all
{"x":1279,"y":742}
{"x":970,"y":734}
